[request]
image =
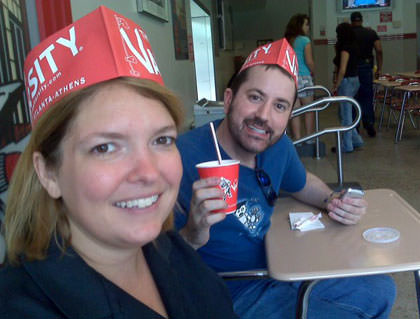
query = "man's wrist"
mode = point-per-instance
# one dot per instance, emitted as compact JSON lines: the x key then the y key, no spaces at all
{"x":326,"y":199}
{"x":330,"y":197}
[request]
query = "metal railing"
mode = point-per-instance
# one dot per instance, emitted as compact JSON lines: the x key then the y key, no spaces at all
{"x":323,"y":104}
{"x":308,"y":108}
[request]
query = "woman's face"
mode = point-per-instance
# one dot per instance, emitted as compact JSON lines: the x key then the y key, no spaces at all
{"x":120,"y":169}
{"x":305,"y":27}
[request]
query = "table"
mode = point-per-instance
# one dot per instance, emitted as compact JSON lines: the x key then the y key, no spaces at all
{"x":387,"y":85}
{"x":340,"y":250}
{"x":407,"y":89}
{"x":411,"y":75}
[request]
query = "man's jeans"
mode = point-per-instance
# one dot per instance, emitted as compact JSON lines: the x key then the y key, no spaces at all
{"x":345,"y":298}
{"x":351,"y":139}
{"x":365,"y":94}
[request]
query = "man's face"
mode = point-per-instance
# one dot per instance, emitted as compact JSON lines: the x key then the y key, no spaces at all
{"x":258,"y":114}
{"x":120,"y":173}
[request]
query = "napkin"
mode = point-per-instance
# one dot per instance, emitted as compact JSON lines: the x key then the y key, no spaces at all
{"x":295,"y":217}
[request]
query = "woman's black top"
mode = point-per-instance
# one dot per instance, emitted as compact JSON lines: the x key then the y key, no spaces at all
{"x":353,"y":50}
{"x":64,"y":286}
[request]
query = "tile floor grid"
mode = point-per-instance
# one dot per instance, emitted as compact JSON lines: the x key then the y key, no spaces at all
{"x":380,"y":163}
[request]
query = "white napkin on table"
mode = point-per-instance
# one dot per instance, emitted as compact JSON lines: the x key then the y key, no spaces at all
{"x":296,"y":217}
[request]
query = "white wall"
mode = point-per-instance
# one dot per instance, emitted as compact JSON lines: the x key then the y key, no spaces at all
{"x":178,"y":75}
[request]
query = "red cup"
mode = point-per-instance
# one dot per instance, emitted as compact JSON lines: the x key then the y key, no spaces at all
{"x":228,"y":172}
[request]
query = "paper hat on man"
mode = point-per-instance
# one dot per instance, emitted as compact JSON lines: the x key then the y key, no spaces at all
{"x":278,"y":52}
{"x":100,"y":46}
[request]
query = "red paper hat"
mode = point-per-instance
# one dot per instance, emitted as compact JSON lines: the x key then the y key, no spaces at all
{"x":100,"y":46}
{"x":278,"y":52}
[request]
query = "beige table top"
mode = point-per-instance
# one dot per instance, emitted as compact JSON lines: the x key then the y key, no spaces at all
{"x":387,"y":83}
{"x":409,"y":74}
{"x":340,"y":250}
{"x":409,"y":88}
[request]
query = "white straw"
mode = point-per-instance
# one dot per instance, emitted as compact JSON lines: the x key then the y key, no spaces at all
{"x":216,"y":145}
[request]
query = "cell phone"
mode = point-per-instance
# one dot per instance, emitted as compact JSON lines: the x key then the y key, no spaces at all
{"x":353,"y":193}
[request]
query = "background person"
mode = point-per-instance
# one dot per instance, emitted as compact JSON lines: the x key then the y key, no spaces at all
{"x":346,"y":82}
{"x":368,"y":41}
{"x":297,"y":32}
{"x":258,"y":106}
{"x":91,"y":197}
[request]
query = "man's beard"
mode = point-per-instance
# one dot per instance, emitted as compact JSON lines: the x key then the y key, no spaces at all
{"x":236,"y":128}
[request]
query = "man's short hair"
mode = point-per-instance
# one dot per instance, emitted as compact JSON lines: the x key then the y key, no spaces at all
{"x":356,"y":17}
{"x":236,"y":82}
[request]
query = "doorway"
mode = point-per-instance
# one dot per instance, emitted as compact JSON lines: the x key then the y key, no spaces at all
{"x":203,"y":52}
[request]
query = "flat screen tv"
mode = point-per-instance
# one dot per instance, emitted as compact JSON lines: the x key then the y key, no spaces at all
{"x":360,"y":5}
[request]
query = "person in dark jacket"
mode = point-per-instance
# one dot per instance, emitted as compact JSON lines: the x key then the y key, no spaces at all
{"x":368,"y":41}
{"x":89,"y":215}
{"x":346,"y":81}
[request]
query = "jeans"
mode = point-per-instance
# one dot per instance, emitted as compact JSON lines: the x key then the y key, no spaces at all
{"x":365,"y":94}
{"x":345,"y":298}
{"x":350,"y":139}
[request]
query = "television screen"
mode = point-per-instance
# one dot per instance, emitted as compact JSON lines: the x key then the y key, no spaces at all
{"x":365,"y":4}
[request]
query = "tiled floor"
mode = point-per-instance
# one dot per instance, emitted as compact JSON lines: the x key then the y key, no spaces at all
{"x":380,"y":163}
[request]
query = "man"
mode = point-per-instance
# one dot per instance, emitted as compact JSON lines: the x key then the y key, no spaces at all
{"x":367,"y":40}
{"x":258,"y":107}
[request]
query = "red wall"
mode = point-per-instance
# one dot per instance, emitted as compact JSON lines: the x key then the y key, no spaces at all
{"x":53,"y":15}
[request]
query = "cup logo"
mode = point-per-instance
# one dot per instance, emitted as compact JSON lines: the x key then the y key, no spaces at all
{"x":227,"y":187}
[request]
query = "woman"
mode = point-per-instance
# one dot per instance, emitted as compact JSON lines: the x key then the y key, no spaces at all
{"x":93,"y":188}
{"x":297,"y":31}
{"x":346,"y":81}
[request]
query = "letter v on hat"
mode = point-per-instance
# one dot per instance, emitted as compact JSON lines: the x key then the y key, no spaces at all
{"x":100,"y":46}
{"x":278,"y":52}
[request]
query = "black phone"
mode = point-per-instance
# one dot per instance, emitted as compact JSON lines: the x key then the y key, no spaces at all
{"x":353,"y":193}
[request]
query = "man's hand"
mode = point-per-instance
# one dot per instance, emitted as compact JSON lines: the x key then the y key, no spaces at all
{"x":347,"y":210}
{"x":206,"y":197}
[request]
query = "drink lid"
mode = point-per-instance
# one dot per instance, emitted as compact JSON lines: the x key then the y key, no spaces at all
{"x":217,"y":164}
{"x":381,"y":235}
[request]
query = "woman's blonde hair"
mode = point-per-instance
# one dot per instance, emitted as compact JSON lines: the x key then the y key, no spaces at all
{"x":32,"y":216}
